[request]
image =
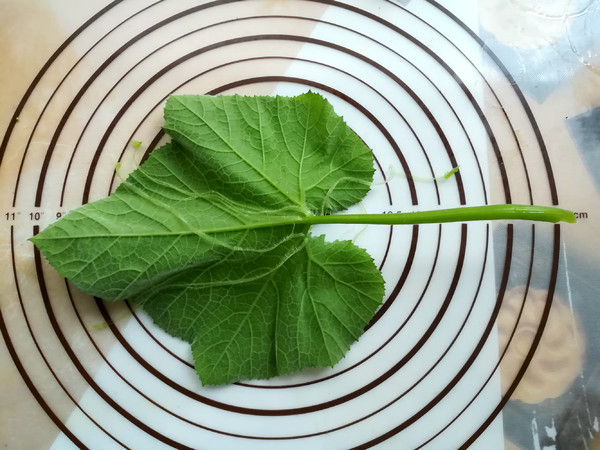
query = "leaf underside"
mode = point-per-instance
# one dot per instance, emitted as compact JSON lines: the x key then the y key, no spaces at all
{"x":207,"y":236}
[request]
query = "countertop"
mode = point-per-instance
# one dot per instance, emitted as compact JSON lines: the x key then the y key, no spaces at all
{"x":489,"y":334}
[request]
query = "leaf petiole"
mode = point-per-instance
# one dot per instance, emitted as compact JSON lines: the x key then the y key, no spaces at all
{"x":463,"y":214}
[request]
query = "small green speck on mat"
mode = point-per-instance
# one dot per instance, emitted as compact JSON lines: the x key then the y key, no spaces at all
{"x":450,"y":173}
{"x":118,"y":171}
{"x":99,"y":326}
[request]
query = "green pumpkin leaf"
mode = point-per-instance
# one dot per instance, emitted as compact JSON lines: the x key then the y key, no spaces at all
{"x":211,"y":236}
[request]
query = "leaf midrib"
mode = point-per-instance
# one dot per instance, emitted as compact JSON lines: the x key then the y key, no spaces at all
{"x":177,"y":233}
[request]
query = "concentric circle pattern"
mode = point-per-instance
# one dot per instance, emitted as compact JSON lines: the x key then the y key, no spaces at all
{"x":420,"y":88}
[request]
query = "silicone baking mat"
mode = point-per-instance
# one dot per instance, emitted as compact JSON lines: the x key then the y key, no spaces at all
{"x":488,"y":333}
